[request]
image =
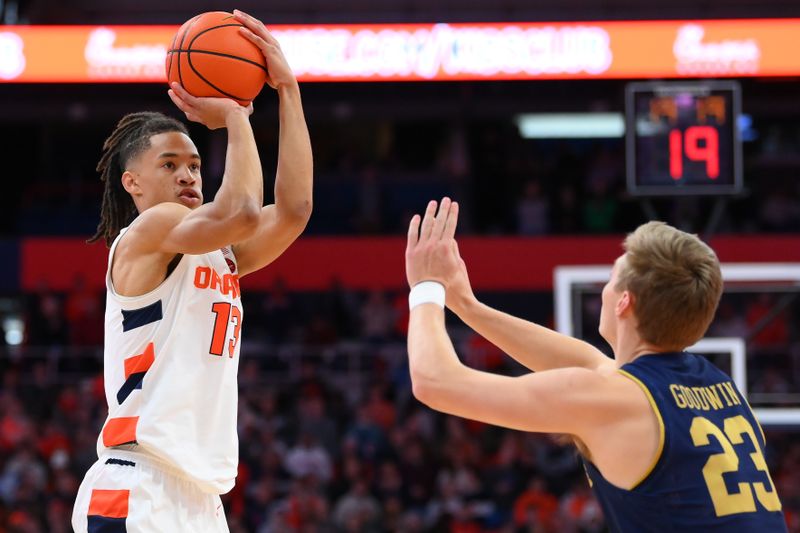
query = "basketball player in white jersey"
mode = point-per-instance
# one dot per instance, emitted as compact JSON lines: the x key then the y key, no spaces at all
{"x":173,"y":320}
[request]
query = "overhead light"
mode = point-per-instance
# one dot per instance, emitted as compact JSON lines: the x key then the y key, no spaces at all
{"x":15,"y":330}
{"x":570,"y":125}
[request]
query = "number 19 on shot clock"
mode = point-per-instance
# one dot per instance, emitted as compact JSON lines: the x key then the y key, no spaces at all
{"x":682,"y":138}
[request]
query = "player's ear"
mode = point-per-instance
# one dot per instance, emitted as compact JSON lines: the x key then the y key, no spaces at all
{"x":624,"y":304}
{"x":130,"y":183}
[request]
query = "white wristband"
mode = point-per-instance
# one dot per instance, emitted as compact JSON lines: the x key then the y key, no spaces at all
{"x":426,"y":292}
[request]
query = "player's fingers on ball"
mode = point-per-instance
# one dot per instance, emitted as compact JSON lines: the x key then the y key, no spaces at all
{"x":427,"y":222}
{"x":174,"y":97}
{"x":271,"y":38}
{"x":247,"y":32}
{"x":451,"y":222}
{"x":177,"y":88}
{"x":242,"y":16}
{"x":272,"y":52}
{"x":182,"y":105}
{"x":250,"y":21}
{"x":183,"y":94}
{"x":413,"y":232}
{"x":258,"y":41}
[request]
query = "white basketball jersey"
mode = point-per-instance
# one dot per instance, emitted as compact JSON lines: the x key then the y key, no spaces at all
{"x":171,"y":359}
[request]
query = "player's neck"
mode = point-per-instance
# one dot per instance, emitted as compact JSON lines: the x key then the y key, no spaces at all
{"x":630,"y":346}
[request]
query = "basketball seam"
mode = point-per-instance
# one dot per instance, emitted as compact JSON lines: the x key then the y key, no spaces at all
{"x":189,"y":46}
{"x":191,"y":65}
{"x":183,"y":37}
{"x":171,"y":55}
{"x":229,"y":95}
{"x":221,"y":54}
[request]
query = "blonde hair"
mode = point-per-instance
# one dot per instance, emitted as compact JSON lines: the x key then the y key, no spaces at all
{"x":676,"y":283}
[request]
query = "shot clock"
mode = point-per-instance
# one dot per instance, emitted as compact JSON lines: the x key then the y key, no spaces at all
{"x":682,"y":138}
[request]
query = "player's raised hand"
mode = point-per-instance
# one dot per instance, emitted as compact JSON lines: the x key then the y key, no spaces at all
{"x":431,"y":253}
{"x":279,"y":74}
{"x":459,"y":288}
{"x":211,"y":112}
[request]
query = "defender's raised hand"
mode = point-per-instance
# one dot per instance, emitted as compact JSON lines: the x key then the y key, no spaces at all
{"x":431,"y":254}
{"x":459,"y":288}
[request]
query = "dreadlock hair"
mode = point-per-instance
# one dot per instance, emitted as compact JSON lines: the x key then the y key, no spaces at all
{"x":130,"y":138}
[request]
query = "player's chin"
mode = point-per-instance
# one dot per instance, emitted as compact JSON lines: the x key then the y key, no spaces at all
{"x":192,"y":202}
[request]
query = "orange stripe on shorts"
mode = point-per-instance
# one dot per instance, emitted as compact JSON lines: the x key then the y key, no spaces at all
{"x":120,"y":431}
{"x":140,"y":362}
{"x":109,"y":503}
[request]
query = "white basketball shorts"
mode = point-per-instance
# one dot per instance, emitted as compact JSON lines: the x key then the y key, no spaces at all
{"x":127,"y":492}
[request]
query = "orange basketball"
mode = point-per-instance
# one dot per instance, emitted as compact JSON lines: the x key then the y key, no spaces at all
{"x":209,"y":57}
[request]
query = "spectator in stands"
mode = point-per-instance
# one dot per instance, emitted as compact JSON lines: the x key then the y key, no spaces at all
{"x":46,"y":323}
{"x":307,"y":458}
{"x":536,"y":507}
{"x":358,"y":510}
{"x":278,"y":312}
{"x":359,"y":451}
{"x":84,"y":312}
{"x":533,"y":211}
{"x":599,"y":209}
{"x":377,"y":317}
{"x":314,"y":421}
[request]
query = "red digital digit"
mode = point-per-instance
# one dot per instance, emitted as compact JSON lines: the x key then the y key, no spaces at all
{"x":708,"y":153}
{"x":675,"y":154}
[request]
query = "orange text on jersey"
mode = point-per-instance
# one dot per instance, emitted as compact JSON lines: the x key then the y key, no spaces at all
{"x":208,"y":278}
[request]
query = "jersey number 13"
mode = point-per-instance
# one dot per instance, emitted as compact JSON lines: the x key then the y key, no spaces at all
{"x":225,"y":313}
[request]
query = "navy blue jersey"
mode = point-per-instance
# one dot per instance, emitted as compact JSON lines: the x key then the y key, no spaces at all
{"x":709,"y":474}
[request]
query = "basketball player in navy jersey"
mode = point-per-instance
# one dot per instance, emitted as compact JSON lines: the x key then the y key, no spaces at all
{"x":668,"y":442}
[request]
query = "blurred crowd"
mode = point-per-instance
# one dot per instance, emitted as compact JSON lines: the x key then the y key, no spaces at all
{"x":331,"y":438}
{"x":373,"y":176}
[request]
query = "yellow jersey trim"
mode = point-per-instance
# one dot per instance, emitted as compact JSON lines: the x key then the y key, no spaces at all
{"x":661,"y":431}
{"x":758,"y":423}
